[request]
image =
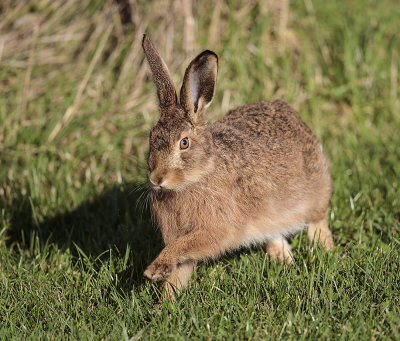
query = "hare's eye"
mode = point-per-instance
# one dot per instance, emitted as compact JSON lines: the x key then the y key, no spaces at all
{"x":184,"y":144}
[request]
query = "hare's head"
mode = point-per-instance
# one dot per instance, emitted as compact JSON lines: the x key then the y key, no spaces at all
{"x":179,"y":144}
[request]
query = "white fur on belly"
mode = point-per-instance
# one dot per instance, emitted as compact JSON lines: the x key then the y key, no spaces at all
{"x":253,"y":234}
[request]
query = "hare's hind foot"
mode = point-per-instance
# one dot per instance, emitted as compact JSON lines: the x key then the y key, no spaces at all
{"x":320,"y":232}
{"x":279,"y":250}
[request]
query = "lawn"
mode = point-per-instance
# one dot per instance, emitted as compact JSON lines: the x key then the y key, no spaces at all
{"x":76,"y":106}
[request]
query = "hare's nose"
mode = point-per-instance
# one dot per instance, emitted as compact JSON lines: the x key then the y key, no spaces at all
{"x":155,"y":179}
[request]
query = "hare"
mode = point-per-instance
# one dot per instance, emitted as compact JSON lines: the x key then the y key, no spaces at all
{"x":255,"y":176}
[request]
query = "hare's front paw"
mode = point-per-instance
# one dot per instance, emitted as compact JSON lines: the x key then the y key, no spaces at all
{"x":159,"y":270}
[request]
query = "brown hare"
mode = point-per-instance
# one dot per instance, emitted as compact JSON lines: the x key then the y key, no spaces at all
{"x":255,"y":176}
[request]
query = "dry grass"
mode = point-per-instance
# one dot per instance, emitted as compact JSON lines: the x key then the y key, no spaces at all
{"x":76,"y":105}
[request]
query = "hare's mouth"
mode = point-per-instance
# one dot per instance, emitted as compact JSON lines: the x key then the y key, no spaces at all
{"x":156,"y":188}
{"x":163,"y":186}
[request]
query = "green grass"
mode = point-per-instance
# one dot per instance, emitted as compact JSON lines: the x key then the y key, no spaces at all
{"x":75,"y":228}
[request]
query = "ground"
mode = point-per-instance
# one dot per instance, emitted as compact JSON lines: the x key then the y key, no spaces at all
{"x":76,"y":106}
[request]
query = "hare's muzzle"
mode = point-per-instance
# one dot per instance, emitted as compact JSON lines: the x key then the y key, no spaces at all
{"x":155,"y":180}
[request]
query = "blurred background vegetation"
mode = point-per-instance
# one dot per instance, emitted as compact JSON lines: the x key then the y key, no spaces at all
{"x":77,"y":103}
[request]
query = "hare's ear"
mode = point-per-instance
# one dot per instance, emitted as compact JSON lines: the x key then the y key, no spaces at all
{"x":165,"y":87}
{"x":198,"y":85}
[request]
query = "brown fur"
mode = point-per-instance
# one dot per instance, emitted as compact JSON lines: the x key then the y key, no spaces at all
{"x":254,"y":176}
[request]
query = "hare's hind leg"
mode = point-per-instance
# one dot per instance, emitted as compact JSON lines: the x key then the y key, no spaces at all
{"x":177,"y":280}
{"x":320,"y":232}
{"x":279,"y":250}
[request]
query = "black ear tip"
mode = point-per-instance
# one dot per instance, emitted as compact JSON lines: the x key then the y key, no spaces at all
{"x":146,"y":40}
{"x":209,"y":53}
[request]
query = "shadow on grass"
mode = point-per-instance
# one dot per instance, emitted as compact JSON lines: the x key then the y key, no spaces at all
{"x":116,"y":220}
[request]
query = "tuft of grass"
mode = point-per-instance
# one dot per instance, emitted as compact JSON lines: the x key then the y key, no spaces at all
{"x":76,"y":106}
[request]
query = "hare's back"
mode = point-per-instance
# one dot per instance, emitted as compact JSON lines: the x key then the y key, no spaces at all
{"x":268,"y":122}
{"x":268,"y":133}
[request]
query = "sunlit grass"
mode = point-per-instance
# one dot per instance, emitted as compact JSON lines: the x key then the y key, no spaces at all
{"x":76,"y":106}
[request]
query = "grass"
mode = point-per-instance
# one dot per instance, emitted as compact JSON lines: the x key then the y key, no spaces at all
{"x":76,"y":106}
